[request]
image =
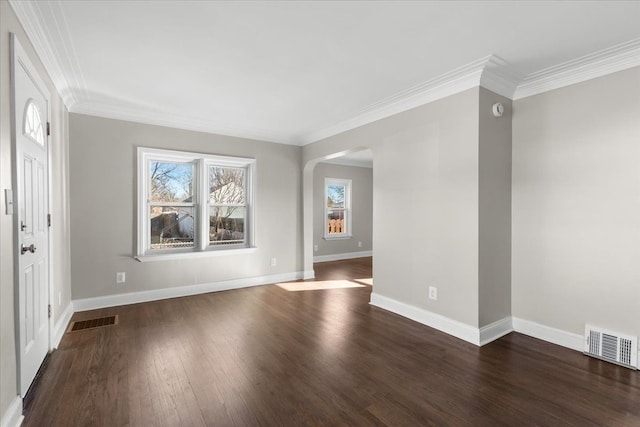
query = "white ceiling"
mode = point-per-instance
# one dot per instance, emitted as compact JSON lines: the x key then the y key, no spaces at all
{"x":295,"y":72}
{"x":362,"y":158}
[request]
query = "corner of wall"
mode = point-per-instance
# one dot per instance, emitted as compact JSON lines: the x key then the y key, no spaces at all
{"x":494,"y":213}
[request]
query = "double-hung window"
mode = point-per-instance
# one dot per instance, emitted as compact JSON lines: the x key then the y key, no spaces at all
{"x":337,"y":208}
{"x":193,"y":203}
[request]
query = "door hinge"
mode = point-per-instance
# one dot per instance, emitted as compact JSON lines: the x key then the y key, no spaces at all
{"x":49,"y":311}
{"x":48,"y":128}
{"x":48,"y":220}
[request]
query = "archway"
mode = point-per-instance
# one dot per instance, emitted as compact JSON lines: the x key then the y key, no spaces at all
{"x":308,"y":204}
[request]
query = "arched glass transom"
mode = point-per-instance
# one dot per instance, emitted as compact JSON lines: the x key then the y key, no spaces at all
{"x":33,"y":127}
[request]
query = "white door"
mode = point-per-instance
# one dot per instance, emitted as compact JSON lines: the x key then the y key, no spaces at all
{"x":31,"y":184}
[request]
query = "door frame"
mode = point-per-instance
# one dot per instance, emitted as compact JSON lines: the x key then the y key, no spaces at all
{"x":19,"y":55}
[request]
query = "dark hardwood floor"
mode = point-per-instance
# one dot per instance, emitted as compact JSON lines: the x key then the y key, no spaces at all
{"x":276,"y":357}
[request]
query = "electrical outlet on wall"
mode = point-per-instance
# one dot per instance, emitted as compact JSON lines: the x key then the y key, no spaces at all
{"x":274,"y":262}
{"x":120,"y":277}
{"x":433,"y":293}
{"x":315,"y":248}
{"x":359,"y":244}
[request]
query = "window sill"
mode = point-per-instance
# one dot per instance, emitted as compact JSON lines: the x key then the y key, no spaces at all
{"x":193,"y":255}
{"x":337,"y":237}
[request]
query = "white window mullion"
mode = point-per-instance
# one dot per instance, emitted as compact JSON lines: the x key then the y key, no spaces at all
{"x":202,"y":205}
{"x":144,"y":204}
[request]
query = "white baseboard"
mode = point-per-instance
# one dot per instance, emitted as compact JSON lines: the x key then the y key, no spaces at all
{"x":495,"y":330}
{"x":452,"y":327}
{"x":61,"y":325}
{"x":487,"y":333}
{"x":547,"y":333}
{"x":181,"y":291}
{"x":13,"y":415}
{"x":338,"y":257}
{"x":309,"y":274}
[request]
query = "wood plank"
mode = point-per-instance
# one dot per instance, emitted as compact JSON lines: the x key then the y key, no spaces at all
{"x":273,"y":357}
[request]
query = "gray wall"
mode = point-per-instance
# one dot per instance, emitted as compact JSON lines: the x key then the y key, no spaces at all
{"x":58,"y":143}
{"x":576,"y":205}
{"x":425,"y":160}
{"x":494,"y":291}
{"x":361,"y":203}
{"x":103,"y":208}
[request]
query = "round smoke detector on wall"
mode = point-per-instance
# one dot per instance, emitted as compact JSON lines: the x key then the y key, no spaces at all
{"x":497,"y":109}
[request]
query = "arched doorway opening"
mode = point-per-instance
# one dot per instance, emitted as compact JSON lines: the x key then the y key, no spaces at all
{"x":338,"y":211}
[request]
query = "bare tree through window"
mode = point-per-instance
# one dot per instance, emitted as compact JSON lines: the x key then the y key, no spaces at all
{"x":172,"y":205}
{"x":193,"y":202}
{"x":227,"y":200}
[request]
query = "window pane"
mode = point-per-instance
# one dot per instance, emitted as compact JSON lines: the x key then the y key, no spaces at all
{"x":335,"y":221}
{"x":226,"y":224}
{"x":226,"y":185}
{"x":171,"y":227}
{"x":33,"y":123}
{"x":335,"y":195}
{"x":171,"y":182}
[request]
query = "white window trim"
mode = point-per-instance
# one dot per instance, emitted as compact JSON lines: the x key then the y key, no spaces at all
{"x":347,"y":208}
{"x":201,"y":210}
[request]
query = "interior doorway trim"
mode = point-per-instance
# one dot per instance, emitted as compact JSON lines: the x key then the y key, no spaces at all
{"x":307,"y":206}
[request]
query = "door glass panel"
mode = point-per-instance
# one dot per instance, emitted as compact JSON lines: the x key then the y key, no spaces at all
{"x":32,"y":124}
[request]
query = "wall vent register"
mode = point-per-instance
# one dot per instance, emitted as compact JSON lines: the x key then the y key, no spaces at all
{"x":99,"y":322}
{"x":611,"y":346}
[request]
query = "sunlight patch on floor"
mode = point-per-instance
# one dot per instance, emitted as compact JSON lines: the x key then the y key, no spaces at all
{"x":367,"y":281}
{"x":319,"y":285}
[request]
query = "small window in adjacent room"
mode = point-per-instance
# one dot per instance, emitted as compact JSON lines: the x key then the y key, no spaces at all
{"x":193,"y":203}
{"x":337,"y":208}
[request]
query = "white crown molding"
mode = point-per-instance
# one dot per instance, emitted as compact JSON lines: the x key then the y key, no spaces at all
{"x":31,"y":18}
{"x":166,"y":119}
{"x":452,"y":82}
{"x":490,"y":72}
{"x":500,"y":77}
{"x":65,"y":72}
{"x":607,"y":61}
{"x":150,"y":116}
{"x":497,"y":75}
